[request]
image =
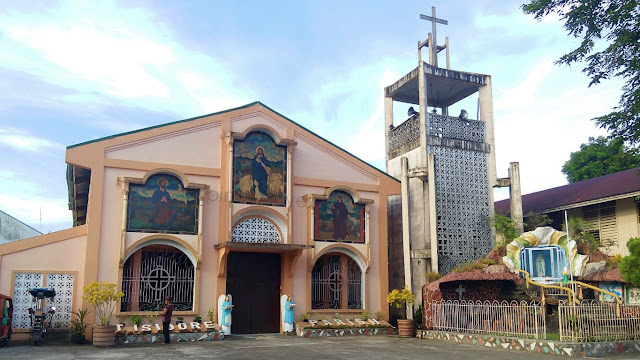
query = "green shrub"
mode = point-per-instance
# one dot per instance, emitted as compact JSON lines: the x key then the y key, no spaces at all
{"x":630,"y":265}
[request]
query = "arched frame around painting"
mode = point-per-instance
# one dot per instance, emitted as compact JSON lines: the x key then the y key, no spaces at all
{"x":259,"y":170}
{"x":163,"y":202}
{"x":339,"y":215}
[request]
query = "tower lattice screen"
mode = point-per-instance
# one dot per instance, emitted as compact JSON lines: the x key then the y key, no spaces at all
{"x":462,"y":193}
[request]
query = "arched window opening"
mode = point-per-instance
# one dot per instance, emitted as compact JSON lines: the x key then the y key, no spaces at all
{"x":336,"y":283}
{"x":256,"y":230}
{"x":154,"y":272}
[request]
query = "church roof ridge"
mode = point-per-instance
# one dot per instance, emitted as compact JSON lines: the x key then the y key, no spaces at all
{"x":222,"y":112}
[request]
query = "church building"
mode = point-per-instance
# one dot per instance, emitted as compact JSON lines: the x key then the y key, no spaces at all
{"x":243,"y":202}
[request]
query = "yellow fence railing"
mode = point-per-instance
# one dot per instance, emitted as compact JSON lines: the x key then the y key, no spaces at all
{"x":570,"y":293}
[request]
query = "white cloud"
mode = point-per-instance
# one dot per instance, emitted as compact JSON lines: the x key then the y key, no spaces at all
{"x":23,"y":140}
{"x":541,"y":120}
{"x":119,"y":53}
{"x":25,"y":201}
{"x":368,"y":142}
{"x":28,"y":209}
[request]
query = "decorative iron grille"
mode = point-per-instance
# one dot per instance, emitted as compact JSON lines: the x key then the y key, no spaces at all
{"x":462,"y":194}
{"x":256,"y":230}
{"x":160,"y":274}
{"x":595,"y":321}
{"x":404,"y":133}
{"x":519,"y":319}
{"x":332,"y":275}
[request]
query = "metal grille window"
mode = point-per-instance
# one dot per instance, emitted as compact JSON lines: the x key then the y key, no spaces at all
{"x":256,"y":230}
{"x":336,"y":283}
{"x":149,"y":276}
{"x":602,"y":219}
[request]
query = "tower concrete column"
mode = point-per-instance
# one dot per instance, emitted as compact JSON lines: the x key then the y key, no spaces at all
{"x":515,"y":195}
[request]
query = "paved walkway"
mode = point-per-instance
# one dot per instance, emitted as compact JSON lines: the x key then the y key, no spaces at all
{"x":280,"y":347}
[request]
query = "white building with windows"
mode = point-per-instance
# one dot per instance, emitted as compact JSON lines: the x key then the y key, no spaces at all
{"x":608,"y":203}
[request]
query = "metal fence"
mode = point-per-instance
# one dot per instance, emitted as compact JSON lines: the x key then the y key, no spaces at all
{"x":595,"y":321}
{"x":519,"y":319}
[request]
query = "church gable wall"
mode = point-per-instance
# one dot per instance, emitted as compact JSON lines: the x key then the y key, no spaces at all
{"x":315,"y":161}
{"x":195,"y":146}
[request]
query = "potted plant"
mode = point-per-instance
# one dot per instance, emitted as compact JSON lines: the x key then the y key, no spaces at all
{"x":79,"y":326}
{"x":305,"y":317}
{"x":403,"y":299}
{"x":197,"y":319}
{"x":136,"y":320}
{"x":378,"y":315}
{"x":179,"y":320}
{"x":210,"y":314}
{"x":104,"y":297}
{"x":365,"y":315}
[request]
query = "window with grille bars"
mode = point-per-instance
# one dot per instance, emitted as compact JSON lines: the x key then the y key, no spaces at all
{"x":602,"y":220}
{"x":151,"y":274}
{"x":336,"y":283}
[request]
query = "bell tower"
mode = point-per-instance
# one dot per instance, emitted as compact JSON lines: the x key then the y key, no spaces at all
{"x":446,"y":164}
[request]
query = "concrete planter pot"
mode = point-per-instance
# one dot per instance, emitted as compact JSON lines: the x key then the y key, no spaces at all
{"x":405,"y":328}
{"x":77,"y":339}
{"x":104,"y":335}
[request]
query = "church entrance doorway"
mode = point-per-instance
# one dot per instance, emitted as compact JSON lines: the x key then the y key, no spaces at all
{"x":253,"y":280}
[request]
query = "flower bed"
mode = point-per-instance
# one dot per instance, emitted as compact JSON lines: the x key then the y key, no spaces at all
{"x":126,"y":339}
{"x":338,"y":327}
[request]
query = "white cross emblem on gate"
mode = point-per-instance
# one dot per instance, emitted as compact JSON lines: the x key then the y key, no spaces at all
{"x":158,"y":279}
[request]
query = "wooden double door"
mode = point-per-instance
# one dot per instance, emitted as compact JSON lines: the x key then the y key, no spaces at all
{"x":253,"y":280}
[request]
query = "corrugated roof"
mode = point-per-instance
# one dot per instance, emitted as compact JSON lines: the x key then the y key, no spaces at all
{"x":623,"y":182}
{"x":476,"y":275}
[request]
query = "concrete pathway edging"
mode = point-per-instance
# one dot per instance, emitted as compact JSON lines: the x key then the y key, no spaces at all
{"x":558,"y":348}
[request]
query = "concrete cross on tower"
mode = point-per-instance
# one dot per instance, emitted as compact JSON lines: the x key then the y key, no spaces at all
{"x":460,"y":290}
{"x":433,"y":48}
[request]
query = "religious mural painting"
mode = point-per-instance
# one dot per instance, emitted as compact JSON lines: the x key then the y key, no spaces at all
{"x":162,"y":204}
{"x":633,"y":295}
{"x":614,"y":287}
{"x":259,"y":170}
{"x":339,"y":219}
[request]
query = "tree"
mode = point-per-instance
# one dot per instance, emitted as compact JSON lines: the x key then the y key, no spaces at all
{"x":618,"y":23}
{"x":630,"y":265}
{"x":506,"y":226}
{"x":532,"y":222}
{"x":598,"y":157}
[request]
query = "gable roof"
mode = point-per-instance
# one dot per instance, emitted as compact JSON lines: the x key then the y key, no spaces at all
{"x":226,"y":111}
{"x":591,"y":191}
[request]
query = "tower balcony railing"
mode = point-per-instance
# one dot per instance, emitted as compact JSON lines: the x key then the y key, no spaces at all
{"x":404,"y":133}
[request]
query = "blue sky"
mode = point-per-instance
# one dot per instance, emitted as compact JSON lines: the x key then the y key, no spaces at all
{"x":74,"y":71}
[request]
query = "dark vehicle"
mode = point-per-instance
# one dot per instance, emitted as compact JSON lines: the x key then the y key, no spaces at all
{"x":6,"y":315}
{"x":41,"y":319}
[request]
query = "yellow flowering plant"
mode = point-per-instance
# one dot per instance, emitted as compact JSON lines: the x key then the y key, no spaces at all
{"x":400,"y":299}
{"x":104,"y":297}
